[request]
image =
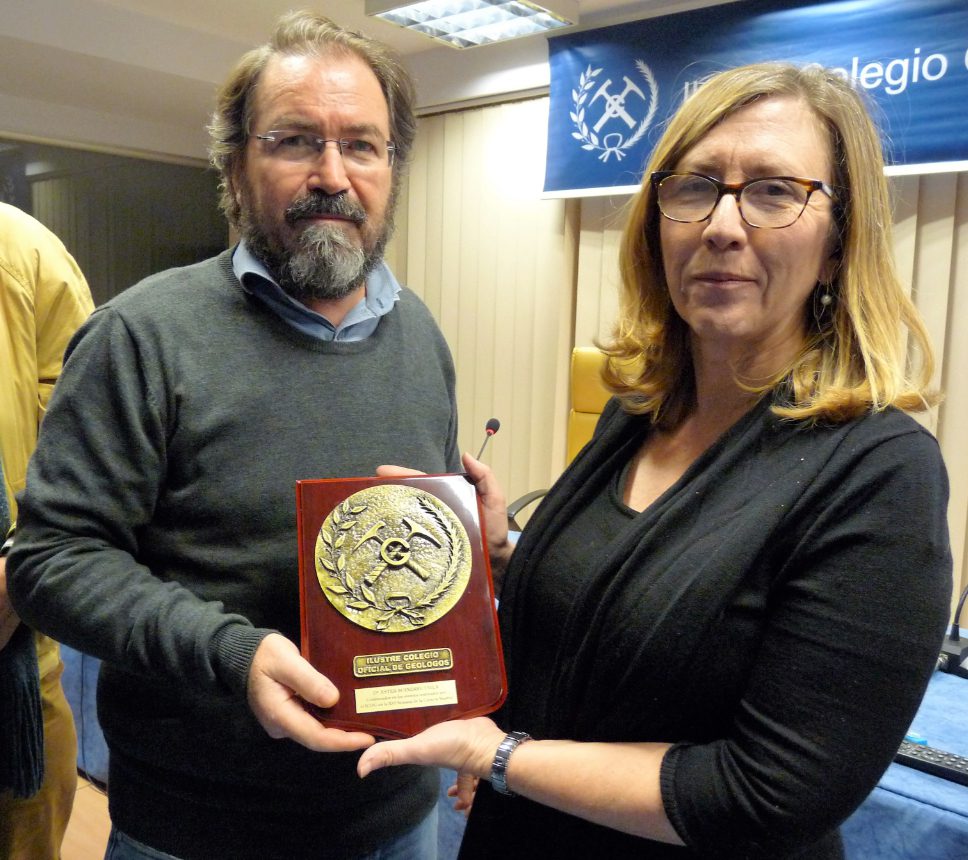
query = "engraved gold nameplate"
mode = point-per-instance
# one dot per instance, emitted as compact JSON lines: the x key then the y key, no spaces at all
{"x":396,"y":601}
{"x":402,"y":663}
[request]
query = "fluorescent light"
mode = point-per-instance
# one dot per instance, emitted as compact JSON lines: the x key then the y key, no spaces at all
{"x":469,"y":23}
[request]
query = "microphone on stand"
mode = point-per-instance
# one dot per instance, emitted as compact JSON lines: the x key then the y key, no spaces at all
{"x":954,"y":649}
{"x":492,"y":426}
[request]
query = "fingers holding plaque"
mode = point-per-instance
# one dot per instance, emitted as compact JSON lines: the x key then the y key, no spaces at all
{"x":397,"y":601}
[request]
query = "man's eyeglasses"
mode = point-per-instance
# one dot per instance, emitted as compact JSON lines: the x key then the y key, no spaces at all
{"x":771,"y":202}
{"x":301,"y":147}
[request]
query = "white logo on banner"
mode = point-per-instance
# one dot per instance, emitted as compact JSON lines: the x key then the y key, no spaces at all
{"x":613,"y":105}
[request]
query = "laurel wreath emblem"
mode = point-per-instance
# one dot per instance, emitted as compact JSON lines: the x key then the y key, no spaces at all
{"x":588,"y":137}
{"x":356,"y":593}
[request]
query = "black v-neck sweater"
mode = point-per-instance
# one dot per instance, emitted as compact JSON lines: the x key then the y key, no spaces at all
{"x":775,"y":615}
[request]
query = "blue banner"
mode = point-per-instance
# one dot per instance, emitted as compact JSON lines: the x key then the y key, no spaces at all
{"x":612,"y":89}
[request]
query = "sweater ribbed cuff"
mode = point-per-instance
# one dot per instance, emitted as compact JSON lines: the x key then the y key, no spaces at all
{"x":234,"y":647}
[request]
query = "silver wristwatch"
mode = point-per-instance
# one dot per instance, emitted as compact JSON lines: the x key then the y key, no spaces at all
{"x":499,"y":767}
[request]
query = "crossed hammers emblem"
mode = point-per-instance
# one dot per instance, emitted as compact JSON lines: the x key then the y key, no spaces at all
{"x":395,"y":551}
{"x":615,"y":104}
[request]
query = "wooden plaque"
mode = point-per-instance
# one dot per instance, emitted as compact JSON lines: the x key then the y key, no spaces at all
{"x":397,"y":602}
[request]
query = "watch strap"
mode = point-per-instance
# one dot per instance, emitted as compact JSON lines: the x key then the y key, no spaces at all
{"x":499,"y":767}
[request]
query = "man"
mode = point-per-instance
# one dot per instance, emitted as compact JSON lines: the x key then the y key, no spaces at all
{"x":43,"y":299}
{"x":158,"y":530}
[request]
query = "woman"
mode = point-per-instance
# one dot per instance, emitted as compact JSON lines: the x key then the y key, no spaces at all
{"x":721,"y":620}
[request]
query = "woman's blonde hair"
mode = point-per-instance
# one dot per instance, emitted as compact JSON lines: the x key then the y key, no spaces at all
{"x":854,"y":360}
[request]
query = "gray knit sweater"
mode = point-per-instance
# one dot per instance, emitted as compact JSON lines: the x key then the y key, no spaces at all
{"x":158,"y":533}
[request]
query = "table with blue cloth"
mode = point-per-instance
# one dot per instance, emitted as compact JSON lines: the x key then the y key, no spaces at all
{"x":912,"y":815}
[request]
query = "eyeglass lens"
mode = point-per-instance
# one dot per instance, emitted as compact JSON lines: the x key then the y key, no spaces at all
{"x":767,"y":202}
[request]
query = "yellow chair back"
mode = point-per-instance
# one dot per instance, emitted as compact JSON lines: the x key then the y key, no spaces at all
{"x":588,"y":396}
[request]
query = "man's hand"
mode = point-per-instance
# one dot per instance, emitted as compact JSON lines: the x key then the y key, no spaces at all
{"x":464,"y":791}
{"x":280,"y":682}
{"x":9,"y":621}
{"x":495,"y":510}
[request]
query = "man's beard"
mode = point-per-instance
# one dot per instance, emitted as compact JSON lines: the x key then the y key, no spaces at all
{"x":323,"y":261}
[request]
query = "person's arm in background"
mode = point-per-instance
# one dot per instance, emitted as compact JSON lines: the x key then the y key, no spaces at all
{"x":44,"y":298}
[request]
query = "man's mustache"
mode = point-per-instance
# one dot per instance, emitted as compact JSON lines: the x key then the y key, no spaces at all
{"x":318,"y":203}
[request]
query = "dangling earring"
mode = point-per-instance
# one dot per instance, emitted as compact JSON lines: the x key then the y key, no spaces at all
{"x":824,"y":294}
{"x":823,"y":300}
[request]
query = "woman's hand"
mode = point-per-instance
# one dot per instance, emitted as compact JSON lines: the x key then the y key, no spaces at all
{"x":613,"y":784}
{"x":467,"y":746}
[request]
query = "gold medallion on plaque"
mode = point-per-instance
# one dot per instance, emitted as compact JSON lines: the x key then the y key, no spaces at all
{"x":393,"y":558}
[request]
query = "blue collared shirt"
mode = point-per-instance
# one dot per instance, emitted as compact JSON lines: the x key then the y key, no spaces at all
{"x":381,"y":294}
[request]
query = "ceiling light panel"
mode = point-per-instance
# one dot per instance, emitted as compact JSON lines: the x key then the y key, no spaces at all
{"x":470,"y":23}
